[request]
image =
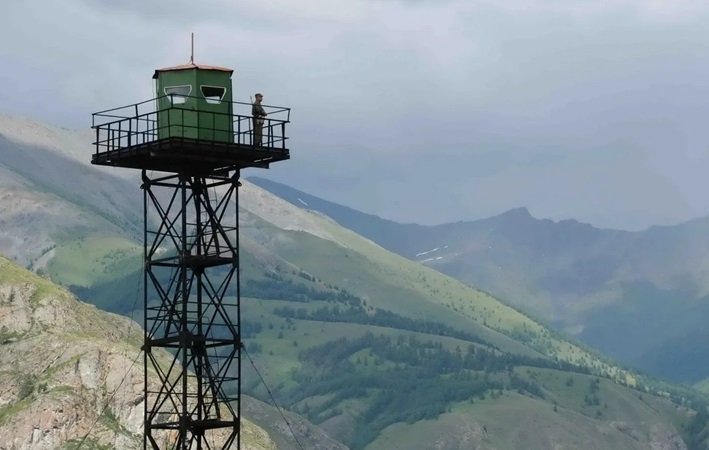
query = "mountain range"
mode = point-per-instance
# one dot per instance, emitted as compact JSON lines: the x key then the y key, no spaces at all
{"x":640,"y":297}
{"x":376,"y":350}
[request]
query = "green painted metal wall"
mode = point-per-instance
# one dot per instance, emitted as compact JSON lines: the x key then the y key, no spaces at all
{"x":194,"y":116}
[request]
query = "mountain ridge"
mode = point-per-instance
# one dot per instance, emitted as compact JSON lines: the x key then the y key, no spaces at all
{"x":572,"y":275}
{"x":364,"y":342}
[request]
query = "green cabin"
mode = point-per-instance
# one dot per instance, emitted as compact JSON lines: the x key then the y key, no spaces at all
{"x":195,"y":101}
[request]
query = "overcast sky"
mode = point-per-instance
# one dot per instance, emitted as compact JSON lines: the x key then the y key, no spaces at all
{"x":423,"y":110}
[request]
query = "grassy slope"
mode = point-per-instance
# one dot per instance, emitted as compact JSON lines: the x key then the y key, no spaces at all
{"x":391,"y":282}
{"x":94,"y":259}
{"x":382,"y":281}
{"x":637,"y":296}
{"x":387,"y":281}
{"x":515,"y":421}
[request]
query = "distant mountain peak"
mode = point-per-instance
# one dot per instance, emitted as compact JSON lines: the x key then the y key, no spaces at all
{"x":516,"y":214}
{"x":521,"y":211}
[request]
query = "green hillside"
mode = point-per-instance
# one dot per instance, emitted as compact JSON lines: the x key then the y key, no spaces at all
{"x":363,"y":342}
{"x":369,"y":346}
{"x":640,"y":297}
{"x":94,"y":259}
{"x":396,"y":343}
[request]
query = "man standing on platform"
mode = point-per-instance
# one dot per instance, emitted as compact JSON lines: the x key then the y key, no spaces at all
{"x":258,"y":114}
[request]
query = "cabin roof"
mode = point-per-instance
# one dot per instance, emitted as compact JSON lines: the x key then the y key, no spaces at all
{"x":191,"y":66}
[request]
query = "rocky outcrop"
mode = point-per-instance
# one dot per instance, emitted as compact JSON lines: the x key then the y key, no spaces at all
{"x":69,"y":371}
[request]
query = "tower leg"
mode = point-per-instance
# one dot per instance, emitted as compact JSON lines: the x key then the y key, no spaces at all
{"x":191,"y":310}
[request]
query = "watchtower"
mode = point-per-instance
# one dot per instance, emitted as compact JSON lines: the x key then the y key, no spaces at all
{"x":191,"y":143}
{"x":203,"y":94}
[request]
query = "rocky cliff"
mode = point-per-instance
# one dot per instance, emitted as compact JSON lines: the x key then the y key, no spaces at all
{"x":69,"y":371}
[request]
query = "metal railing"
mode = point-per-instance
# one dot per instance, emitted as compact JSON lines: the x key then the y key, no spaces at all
{"x":145,"y":122}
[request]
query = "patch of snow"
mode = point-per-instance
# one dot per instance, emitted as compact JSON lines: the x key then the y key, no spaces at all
{"x":429,"y":251}
{"x":436,"y":258}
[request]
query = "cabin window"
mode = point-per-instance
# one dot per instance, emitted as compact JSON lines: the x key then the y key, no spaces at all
{"x":213,"y":94}
{"x":178,"y":94}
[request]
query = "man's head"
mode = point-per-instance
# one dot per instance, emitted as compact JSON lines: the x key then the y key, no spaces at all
{"x":258,"y":96}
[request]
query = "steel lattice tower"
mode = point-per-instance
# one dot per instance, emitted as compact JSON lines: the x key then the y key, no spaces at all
{"x":198,"y":146}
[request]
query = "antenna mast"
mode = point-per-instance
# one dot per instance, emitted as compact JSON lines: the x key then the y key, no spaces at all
{"x":192,"y":50}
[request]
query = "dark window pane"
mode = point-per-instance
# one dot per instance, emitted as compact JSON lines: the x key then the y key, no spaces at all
{"x":213,"y":94}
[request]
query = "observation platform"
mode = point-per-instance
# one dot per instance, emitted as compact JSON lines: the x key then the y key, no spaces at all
{"x":185,"y":140}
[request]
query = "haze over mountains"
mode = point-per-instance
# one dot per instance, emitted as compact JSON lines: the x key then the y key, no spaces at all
{"x":638,"y":296}
{"x":378,"y":351}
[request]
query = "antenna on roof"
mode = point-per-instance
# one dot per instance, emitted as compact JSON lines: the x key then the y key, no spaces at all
{"x":192,"y":52}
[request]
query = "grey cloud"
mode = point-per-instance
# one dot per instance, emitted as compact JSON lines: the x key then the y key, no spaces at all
{"x":416,"y":110}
